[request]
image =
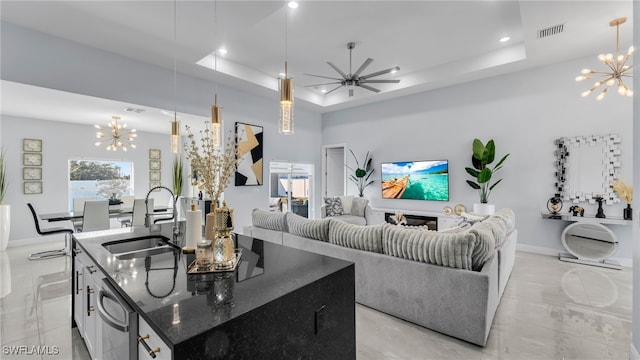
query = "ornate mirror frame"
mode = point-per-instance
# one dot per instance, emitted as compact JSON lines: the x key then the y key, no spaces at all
{"x":586,"y":166}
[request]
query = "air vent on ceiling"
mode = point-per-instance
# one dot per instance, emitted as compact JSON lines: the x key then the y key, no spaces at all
{"x":135,"y":110}
{"x":550,"y":31}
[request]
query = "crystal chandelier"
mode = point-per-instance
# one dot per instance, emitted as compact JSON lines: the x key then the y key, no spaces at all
{"x":618,"y":68}
{"x":116,"y":135}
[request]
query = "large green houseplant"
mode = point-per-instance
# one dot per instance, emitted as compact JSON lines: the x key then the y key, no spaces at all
{"x":482,"y":173}
{"x":361,"y":175}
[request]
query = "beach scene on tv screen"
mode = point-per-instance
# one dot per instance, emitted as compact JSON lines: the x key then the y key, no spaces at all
{"x":417,"y":180}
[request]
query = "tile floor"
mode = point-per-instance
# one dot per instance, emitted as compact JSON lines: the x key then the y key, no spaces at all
{"x":550,"y":310}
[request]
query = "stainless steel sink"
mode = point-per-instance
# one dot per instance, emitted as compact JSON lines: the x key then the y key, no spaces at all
{"x":139,"y":247}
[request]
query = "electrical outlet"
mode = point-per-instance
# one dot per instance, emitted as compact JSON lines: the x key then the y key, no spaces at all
{"x":320,"y":322}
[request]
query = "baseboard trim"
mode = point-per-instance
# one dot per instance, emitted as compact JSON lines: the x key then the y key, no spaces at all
{"x":626,"y":262}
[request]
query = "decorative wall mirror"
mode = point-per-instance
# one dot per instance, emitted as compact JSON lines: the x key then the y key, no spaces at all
{"x":586,"y":166}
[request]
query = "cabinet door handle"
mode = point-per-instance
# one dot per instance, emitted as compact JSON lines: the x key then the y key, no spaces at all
{"x":89,"y":307}
{"x":91,"y":269}
{"x":78,"y":288}
{"x":149,"y":350}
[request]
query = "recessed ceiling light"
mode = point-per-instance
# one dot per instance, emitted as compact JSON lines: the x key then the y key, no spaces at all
{"x":282,"y":75}
{"x":222,"y":51}
{"x":293,"y":4}
{"x":323,"y":91}
{"x":504,"y":39}
{"x":134,"y":110}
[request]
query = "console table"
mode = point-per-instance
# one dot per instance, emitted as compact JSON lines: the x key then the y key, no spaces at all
{"x":587,"y":239}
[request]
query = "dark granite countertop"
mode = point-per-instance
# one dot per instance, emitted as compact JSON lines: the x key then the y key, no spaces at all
{"x":180,"y":306}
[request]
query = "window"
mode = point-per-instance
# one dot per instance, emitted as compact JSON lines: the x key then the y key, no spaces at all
{"x":99,"y":179}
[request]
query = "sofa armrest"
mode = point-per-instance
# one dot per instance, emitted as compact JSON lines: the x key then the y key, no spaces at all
{"x":367,"y":215}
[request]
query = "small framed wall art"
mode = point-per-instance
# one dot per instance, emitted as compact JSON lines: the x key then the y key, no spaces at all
{"x":32,"y":159}
{"x":32,"y":173}
{"x":153,"y":184}
{"x":154,"y":175}
{"x":154,"y":154}
{"x":32,"y":145}
{"x":32,"y":187}
{"x":154,"y":165}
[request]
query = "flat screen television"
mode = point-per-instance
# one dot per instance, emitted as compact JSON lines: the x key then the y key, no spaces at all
{"x":416,"y":180}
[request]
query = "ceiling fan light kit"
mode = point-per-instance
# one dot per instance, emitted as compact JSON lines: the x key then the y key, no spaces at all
{"x":353,"y":79}
{"x":617,"y":65}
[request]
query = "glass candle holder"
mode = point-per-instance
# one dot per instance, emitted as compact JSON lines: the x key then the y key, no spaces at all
{"x":204,"y":255}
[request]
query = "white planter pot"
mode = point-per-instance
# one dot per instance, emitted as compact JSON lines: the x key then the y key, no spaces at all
{"x":484,"y":209}
{"x":5,"y":224}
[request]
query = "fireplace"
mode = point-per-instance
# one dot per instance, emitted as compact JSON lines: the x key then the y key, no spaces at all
{"x":415,"y":220}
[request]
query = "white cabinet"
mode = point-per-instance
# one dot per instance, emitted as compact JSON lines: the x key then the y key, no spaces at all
{"x":150,"y":346}
{"x":87,"y":279}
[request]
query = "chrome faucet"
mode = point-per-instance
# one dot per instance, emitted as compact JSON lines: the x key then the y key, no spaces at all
{"x":147,"y":217}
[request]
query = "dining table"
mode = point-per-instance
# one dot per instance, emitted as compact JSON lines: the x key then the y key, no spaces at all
{"x":114,"y":212}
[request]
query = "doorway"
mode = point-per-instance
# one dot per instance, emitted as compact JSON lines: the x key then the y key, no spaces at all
{"x":291,"y":187}
{"x":334,"y":160}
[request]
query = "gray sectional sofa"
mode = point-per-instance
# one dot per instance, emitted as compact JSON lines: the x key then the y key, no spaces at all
{"x":449,"y":281}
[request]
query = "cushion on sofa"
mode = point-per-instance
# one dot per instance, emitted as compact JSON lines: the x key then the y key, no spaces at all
{"x":269,"y":220}
{"x":358,"y":206}
{"x":333,"y":206}
{"x":486,"y":232}
{"x":449,"y":250}
{"x":509,"y":218}
{"x":359,"y":237}
{"x":313,"y":229}
{"x":346,"y":201}
{"x":355,"y":220}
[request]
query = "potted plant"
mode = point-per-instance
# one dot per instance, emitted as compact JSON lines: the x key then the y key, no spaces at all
{"x":5,"y":210}
{"x":483,"y":156}
{"x":177,"y":182}
{"x":361,"y":176}
{"x":625,"y":191}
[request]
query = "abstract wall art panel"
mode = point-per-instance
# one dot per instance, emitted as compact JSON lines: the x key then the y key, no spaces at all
{"x":250,"y":144}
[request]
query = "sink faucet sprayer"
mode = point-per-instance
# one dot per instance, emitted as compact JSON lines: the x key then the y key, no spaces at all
{"x":147,"y":217}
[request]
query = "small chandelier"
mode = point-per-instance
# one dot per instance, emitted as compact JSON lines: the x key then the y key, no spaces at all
{"x":285,"y":84}
{"x":216,"y":120}
{"x":286,"y":103}
{"x":118,"y":136}
{"x":617,"y":65}
{"x":175,"y":134}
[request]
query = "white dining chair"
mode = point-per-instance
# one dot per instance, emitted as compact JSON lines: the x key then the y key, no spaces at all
{"x":78,"y":205}
{"x":138,"y":213}
{"x":127,"y":204}
{"x":127,"y":201}
{"x":95,"y":215}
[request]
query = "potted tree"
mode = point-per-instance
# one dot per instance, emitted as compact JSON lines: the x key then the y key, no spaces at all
{"x":361,"y":176}
{"x":483,"y":156}
{"x":5,"y":210}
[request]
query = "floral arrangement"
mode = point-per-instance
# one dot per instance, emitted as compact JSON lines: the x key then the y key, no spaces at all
{"x":212,"y":164}
{"x":624,"y":190}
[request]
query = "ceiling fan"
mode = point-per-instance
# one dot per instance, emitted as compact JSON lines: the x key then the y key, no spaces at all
{"x":354,"y":79}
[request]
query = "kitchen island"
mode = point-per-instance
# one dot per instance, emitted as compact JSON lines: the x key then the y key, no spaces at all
{"x":280,"y":303}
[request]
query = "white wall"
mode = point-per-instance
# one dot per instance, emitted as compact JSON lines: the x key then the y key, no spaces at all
{"x":523,"y":112}
{"x":38,"y":59}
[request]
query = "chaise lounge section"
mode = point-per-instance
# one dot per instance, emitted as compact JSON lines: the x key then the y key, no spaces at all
{"x":449,"y":281}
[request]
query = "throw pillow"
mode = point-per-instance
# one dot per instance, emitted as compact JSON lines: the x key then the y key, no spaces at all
{"x":346,"y":200}
{"x":368,"y":238}
{"x":269,"y":220}
{"x":313,"y":229}
{"x":358,"y":206}
{"x":333,"y":206}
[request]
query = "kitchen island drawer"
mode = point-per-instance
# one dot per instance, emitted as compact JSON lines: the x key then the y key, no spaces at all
{"x":150,"y":346}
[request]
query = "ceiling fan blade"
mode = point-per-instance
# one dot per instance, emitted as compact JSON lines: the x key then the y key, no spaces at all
{"x":324,"y":77}
{"x":369,"y":88}
{"x":379,"y":81}
{"x":332,"y":90}
{"x":350,"y":92}
{"x":331,"y":83}
{"x":337,"y":70}
{"x":381,"y":72}
{"x":363,"y":66}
